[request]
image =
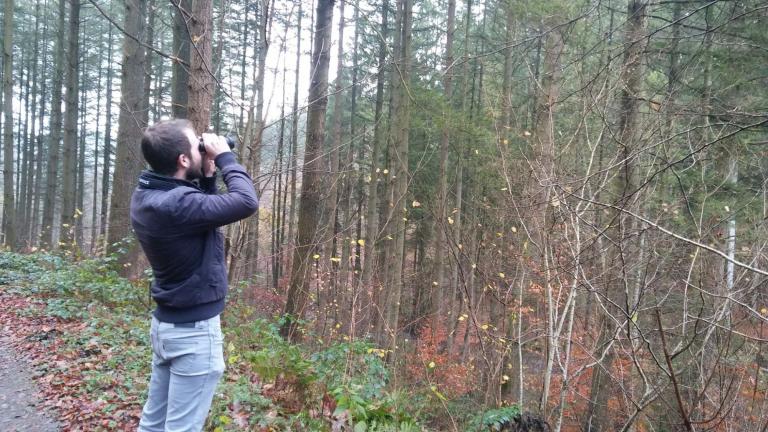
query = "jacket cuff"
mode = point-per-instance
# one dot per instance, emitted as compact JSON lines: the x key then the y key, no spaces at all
{"x":225,"y":159}
{"x":208,"y":184}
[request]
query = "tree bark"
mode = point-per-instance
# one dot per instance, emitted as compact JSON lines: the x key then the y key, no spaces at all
{"x":181,"y":48}
{"x":432,"y":304}
{"x":598,"y":418}
{"x":69,"y":163}
{"x":200,"y":96}
{"x":295,"y":128}
{"x":306,"y":236}
{"x":40,"y":154}
{"x":372,"y":206}
{"x":9,"y":210}
{"x":399,"y":143}
{"x":107,"y":153}
{"x":131,"y":123}
{"x":47,"y":236}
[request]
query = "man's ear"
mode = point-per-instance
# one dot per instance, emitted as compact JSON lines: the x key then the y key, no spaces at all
{"x":182,"y":161}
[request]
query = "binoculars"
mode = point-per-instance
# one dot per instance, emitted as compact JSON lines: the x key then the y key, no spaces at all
{"x":230,"y":142}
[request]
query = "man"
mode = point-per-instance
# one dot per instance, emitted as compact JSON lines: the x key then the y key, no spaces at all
{"x":175,"y":213}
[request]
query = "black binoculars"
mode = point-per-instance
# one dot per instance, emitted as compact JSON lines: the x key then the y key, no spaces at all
{"x":230,"y":142}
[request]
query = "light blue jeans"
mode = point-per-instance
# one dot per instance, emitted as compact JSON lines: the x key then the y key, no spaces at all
{"x":187,"y":363}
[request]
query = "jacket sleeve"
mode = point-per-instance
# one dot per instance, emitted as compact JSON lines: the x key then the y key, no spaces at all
{"x":208,"y":185}
{"x":198,"y":211}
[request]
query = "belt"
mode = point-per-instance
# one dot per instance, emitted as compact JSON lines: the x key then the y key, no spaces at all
{"x":184,"y":325}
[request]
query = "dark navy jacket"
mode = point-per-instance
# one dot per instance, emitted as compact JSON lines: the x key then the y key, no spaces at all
{"x":177,"y":225}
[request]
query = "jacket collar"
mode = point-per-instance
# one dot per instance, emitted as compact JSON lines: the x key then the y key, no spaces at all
{"x":152,"y":180}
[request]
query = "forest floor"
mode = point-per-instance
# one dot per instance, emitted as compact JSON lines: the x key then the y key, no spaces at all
{"x":21,"y":406}
{"x":44,"y":375}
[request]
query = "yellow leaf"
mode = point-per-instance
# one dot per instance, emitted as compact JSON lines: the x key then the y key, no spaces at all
{"x":361,"y":242}
{"x":461,"y":318}
{"x":504,"y":378}
{"x":450,"y":220}
{"x":438,"y":394}
{"x":514,"y":230}
{"x":386,"y":171}
{"x":416,"y":203}
{"x":224,"y":420}
{"x":335,"y":259}
{"x":501,"y":275}
{"x":431,"y":365}
{"x":526,"y":133}
{"x":484,"y":327}
{"x":316,"y":256}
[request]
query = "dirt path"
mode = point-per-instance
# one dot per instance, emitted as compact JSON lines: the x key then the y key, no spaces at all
{"x":20,"y":407}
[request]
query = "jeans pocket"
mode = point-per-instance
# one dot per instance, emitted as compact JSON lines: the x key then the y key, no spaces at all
{"x":184,"y":356}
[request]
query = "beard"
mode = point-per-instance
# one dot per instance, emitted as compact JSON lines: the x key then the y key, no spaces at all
{"x":194,"y":172}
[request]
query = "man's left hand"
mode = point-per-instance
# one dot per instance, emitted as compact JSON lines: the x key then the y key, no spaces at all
{"x":209,"y":167}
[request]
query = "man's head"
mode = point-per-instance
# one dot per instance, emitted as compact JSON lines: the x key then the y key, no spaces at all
{"x":170,"y":147}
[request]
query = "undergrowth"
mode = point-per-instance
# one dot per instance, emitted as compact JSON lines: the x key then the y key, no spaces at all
{"x":270,"y":384}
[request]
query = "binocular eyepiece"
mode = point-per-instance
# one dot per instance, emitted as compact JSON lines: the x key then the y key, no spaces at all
{"x":230,"y":142}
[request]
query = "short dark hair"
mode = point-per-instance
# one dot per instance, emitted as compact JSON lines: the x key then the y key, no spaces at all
{"x":162,"y":144}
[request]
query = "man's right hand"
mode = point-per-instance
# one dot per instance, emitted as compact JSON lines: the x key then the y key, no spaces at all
{"x":214,"y":145}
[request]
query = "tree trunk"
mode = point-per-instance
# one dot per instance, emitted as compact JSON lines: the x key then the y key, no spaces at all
{"x":306,"y":236}
{"x":295,"y":128}
{"x":95,"y":194}
{"x":333,"y":178}
{"x":150,"y":72}
{"x":9,"y":224}
{"x":432,"y":305}
{"x":131,"y":123}
{"x":80,"y":160}
{"x":254,"y":160}
{"x":40,"y":177}
{"x":27,"y":171}
{"x":399,"y":131}
{"x":200,"y":71}
{"x":598,"y":418}
{"x":372,"y":206}
{"x":47,"y":236}
{"x":181,"y":47}
{"x":107,"y":153}
{"x":69,"y":164}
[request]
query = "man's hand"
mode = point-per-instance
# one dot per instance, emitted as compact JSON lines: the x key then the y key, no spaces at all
{"x":214,"y":145}
{"x":209,"y":167}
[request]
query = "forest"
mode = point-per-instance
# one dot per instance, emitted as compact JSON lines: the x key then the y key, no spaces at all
{"x":555,"y":208}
